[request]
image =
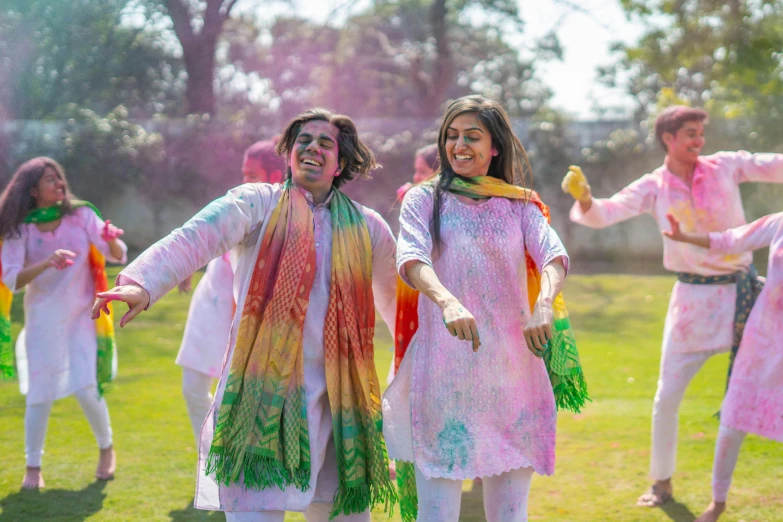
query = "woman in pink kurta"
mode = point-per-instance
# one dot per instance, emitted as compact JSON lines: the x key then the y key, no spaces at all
{"x":489,"y":412}
{"x":703,"y":193}
{"x":50,"y":262}
{"x":754,"y":400}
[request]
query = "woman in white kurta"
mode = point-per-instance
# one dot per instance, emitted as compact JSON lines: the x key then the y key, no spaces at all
{"x":460,"y":413}
{"x":205,"y":340}
{"x":754,"y":399}
{"x":50,"y":261}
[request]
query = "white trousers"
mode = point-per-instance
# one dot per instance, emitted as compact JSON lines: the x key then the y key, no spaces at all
{"x":316,"y":512}
{"x":677,"y":372}
{"x":727,"y":449}
{"x":36,"y":420}
{"x":197,"y":390}
{"x":505,"y":497}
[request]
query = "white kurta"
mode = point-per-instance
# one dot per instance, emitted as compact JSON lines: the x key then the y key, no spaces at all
{"x":61,"y":342}
{"x":205,"y":340}
{"x":238,"y":221}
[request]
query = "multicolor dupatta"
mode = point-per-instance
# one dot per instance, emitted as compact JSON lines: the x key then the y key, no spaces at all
{"x":261,"y":438}
{"x":560,"y":357}
{"x":104,"y":325}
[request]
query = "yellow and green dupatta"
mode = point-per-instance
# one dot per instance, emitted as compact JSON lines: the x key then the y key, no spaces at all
{"x":560,"y":357}
{"x":104,"y":325}
{"x":261,"y":438}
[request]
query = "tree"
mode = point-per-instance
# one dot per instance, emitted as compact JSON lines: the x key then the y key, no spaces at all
{"x":53,"y":54}
{"x":198,"y":25}
{"x":400,"y":57}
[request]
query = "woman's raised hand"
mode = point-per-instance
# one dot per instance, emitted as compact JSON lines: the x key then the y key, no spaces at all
{"x":538,"y":331}
{"x":110,"y":232}
{"x":60,"y":259}
{"x":575,"y":183}
{"x":134,"y":296}
{"x":461,"y":323}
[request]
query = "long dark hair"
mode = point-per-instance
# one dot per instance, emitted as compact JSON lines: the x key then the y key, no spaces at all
{"x":511,"y":163}
{"x":16,"y":200}
{"x":354,"y":157}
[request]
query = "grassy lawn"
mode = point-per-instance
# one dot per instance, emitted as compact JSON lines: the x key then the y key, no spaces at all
{"x":602,"y":455}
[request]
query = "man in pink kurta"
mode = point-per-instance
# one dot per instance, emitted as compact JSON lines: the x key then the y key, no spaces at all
{"x":702,"y":192}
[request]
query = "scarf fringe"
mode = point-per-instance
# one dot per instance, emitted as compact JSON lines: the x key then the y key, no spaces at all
{"x":358,"y":498}
{"x":406,"y":486}
{"x":570,"y":390}
{"x":254,"y":471}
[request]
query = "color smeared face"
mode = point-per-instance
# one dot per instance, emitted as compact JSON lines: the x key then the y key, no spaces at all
{"x":314,"y":156}
{"x":469,"y":147}
{"x":50,"y":189}
{"x":253,"y":171}
{"x":421,"y":170}
{"x":685,"y":145}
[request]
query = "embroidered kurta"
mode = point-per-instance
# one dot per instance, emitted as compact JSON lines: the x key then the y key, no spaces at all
{"x":754,"y":401}
{"x":60,"y":338}
{"x":700,"y":317}
{"x":237,"y":221}
{"x":205,"y":340}
{"x":459,"y":414}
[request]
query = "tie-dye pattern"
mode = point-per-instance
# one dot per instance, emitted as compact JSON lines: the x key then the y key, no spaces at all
{"x":754,"y":400}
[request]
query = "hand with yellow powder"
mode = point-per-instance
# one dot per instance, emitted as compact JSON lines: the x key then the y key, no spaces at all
{"x":575,"y":183}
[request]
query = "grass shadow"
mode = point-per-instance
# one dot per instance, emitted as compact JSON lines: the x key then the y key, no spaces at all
{"x":191,"y":514}
{"x":678,"y":512}
{"x":53,"y":504}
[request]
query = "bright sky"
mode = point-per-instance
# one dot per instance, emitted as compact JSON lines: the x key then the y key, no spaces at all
{"x":586,"y":33}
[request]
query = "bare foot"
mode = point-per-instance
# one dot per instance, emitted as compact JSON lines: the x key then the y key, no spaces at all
{"x":712,"y":513}
{"x":660,"y":493}
{"x":107,"y":463}
{"x":33,"y":478}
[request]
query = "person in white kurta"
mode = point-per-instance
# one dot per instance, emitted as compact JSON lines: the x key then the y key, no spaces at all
{"x":703,"y":193}
{"x":237,"y":222}
{"x":60,"y":337}
{"x":208,"y":327}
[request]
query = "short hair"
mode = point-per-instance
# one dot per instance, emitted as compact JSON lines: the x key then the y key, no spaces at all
{"x":265,"y":153}
{"x":671,"y":119}
{"x":354,"y":157}
{"x":430,"y":156}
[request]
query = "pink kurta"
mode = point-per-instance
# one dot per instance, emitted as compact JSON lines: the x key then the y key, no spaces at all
{"x":205,"y":340}
{"x":238,"y":221}
{"x":700,"y":317}
{"x":754,"y":401}
{"x":60,"y":338}
{"x":459,"y":414}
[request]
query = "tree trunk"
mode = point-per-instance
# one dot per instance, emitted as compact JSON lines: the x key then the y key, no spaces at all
{"x":200,"y":66}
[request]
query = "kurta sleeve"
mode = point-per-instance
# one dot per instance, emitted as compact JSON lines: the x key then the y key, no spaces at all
{"x":94,"y":227}
{"x":217,"y":228}
{"x":634,"y":200}
{"x":13,"y":256}
{"x":747,"y":238}
{"x":541,"y":241}
{"x":415,"y":241}
{"x":384,"y":269}
{"x":760,"y":168}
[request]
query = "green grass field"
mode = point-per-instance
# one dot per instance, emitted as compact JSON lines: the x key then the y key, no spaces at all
{"x":602,"y":454}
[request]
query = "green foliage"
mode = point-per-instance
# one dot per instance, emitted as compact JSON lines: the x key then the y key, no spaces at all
{"x":53,"y":54}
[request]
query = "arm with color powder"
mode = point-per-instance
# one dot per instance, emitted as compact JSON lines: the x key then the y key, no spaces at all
{"x":755,"y":235}
{"x":217,"y":228}
{"x":384,"y":269}
{"x":634,"y":200}
{"x":414,"y":264}
{"x":16,"y":275}
{"x":759,"y":168}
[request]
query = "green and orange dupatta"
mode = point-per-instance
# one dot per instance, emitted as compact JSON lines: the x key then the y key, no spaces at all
{"x":261,"y":438}
{"x":104,"y":325}
{"x":560,"y":358}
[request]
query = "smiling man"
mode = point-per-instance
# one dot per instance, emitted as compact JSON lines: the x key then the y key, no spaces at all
{"x":296,"y":421}
{"x":714,"y":292}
